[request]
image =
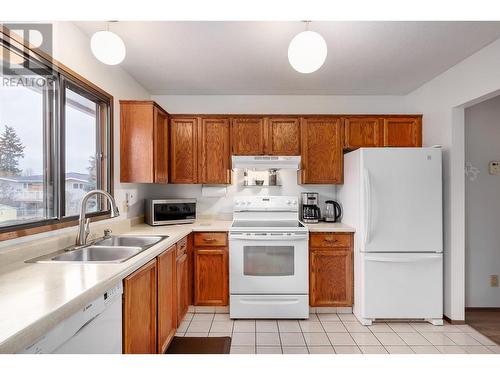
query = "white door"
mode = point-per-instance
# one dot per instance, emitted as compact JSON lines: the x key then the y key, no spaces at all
{"x":268,"y":264}
{"x":402,"y":286}
{"x":401,"y":195}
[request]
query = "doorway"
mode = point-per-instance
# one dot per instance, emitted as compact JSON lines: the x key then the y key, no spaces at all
{"x":482,"y":217}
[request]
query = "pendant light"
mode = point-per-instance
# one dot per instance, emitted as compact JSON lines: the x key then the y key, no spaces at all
{"x":307,"y":51}
{"x":107,"y":47}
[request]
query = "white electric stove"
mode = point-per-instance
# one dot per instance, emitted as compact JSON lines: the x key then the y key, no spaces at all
{"x":268,"y":255}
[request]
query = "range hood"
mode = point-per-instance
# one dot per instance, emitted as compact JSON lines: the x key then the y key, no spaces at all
{"x":266,"y":162}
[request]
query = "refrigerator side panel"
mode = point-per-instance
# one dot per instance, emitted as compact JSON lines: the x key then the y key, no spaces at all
{"x":401,"y":200}
{"x":348,"y":195}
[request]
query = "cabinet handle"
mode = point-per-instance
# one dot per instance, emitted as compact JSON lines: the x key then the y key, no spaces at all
{"x":209,"y":239}
{"x":330,"y":240}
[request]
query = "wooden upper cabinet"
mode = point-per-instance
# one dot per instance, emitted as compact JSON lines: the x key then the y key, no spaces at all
{"x":167,"y":306}
{"x":362,"y":132}
{"x":403,"y":131}
{"x":183,"y":150}
{"x":139,"y":311}
{"x":322,"y":158}
{"x":143,"y":142}
{"x":282,"y":136}
{"x":214,"y":165}
{"x":160,"y":146}
{"x":247,"y":136}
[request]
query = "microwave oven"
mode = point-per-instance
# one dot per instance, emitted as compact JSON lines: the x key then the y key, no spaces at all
{"x":170,"y":211}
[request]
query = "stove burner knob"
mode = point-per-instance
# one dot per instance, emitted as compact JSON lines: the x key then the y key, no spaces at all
{"x":289,"y":202}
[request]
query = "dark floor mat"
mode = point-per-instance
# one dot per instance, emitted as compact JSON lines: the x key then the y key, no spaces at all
{"x":200,"y":345}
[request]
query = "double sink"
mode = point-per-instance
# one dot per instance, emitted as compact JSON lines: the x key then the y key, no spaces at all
{"x":112,"y":249}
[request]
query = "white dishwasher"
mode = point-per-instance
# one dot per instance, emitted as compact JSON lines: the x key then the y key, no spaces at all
{"x":95,"y":329}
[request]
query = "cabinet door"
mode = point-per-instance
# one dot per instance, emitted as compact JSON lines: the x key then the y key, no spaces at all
{"x":362,"y":132}
{"x":214,"y":151}
{"x":182,"y":287}
{"x":211,"y":281}
{"x":247,"y":136}
{"x":160,"y":146}
{"x":322,"y":157}
{"x":330,"y":277}
{"x":136,"y":142}
{"x":183,"y":150}
{"x":167,"y":303}
{"x":403,"y":132}
{"x":139,"y":311}
{"x":283,"y":136}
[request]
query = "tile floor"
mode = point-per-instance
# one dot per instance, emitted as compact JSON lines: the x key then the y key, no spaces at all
{"x":330,"y":333}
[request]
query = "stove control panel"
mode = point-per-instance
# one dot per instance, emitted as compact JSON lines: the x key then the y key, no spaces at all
{"x":266,"y":203}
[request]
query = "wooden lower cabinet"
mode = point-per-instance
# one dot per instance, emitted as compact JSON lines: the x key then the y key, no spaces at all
{"x":211,"y":274}
{"x":139,"y":310}
{"x":182,"y":287}
{"x":330,"y":271}
{"x":167,"y":309}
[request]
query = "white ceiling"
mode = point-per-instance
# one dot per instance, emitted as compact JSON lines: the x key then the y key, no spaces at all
{"x":364,"y":58}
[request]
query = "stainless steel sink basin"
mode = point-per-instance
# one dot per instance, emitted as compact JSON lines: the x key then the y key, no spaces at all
{"x":101,"y":254}
{"x":133,"y":241}
{"x":114,"y":249}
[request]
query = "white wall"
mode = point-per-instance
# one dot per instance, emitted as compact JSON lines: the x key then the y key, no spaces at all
{"x":482,"y":204}
{"x":269,"y":104}
{"x":72,"y":47}
{"x":442,"y":102}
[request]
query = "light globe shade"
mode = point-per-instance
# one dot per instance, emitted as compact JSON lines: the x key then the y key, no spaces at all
{"x":307,"y":52}
{"x":107,"y":47}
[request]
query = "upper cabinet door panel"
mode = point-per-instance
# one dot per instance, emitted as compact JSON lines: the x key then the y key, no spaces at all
{"x":247,"y":136}
{"x":403,"y":132}
{"x":183,"y":150}
{"x":283,"y":136}
{"x":362,"y":132}
{"x":322,"y":160}
{"x":160,"y":147}
{"x":136,"y":142}
{"x":214,"y":151}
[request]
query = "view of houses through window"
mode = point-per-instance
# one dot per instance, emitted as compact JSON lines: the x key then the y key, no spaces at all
{"x":31,"y":170}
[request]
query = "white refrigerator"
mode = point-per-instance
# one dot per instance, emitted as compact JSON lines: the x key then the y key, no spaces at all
{"x":393,"y":198}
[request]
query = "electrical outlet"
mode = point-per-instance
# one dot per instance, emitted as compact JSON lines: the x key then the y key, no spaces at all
{"x":494,"y":281}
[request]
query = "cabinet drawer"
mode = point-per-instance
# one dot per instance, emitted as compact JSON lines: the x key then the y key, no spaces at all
{"x":210,"y":239}
{"x":182,"y":247}
{"x":343,"y":240}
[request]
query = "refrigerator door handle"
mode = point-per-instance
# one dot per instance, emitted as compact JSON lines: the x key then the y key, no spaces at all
{"x":368,"y":205}
{"x":403,"y":260}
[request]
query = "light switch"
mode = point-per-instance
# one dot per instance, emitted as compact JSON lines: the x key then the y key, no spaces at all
{"x":494,"y":167}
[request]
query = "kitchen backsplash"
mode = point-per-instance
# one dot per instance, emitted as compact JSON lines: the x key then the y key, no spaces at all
{"x":222,"y":207}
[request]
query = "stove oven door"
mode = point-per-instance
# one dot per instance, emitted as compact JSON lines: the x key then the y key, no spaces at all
{"x":272,"y":263}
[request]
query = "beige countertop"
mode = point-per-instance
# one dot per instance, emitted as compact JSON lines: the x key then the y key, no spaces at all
{"x":34,"y":297}
{"x":330,"y":227}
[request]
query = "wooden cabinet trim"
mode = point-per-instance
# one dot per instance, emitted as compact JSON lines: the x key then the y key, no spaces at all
{"x":287,"y":140}
{"x":331,"y":240}
{"x":243,"y":142}
{"x":214,"y":150}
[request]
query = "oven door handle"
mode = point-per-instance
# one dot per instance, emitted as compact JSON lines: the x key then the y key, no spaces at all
{"x":268,"y":237}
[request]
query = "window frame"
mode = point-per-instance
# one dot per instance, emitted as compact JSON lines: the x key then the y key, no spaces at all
{"x":54,"y":125}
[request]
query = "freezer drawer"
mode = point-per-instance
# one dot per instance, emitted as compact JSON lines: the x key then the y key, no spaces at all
{"x":402,"y":286}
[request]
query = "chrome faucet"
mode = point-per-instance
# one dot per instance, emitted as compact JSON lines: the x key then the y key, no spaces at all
{"x":84,"y":224}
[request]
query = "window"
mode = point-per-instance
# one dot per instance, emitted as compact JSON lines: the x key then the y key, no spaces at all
{"x":55,"y":141}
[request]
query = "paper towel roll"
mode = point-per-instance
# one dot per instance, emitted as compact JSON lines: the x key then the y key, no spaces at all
{"x":213,"y":190}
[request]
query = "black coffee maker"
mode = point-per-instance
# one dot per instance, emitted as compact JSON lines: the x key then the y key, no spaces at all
{"x":309,"y":210}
